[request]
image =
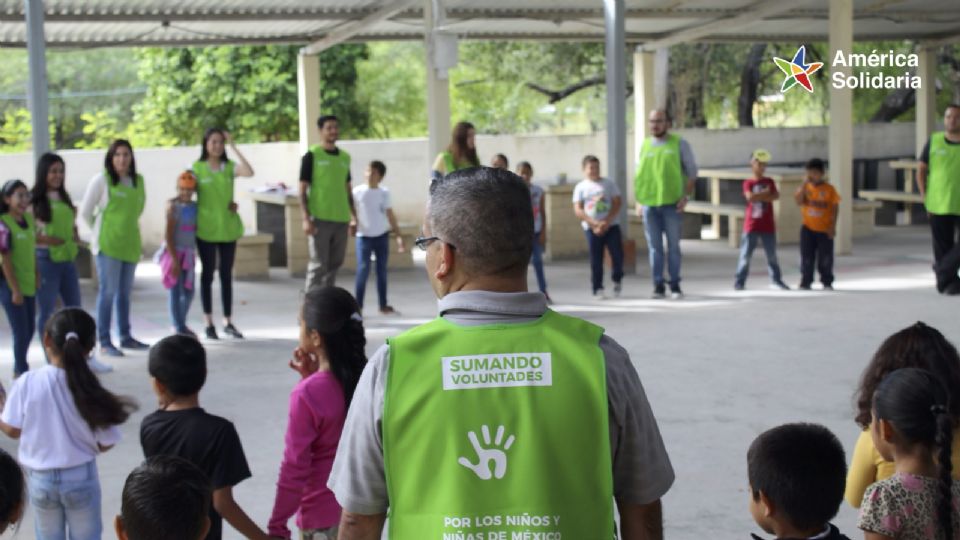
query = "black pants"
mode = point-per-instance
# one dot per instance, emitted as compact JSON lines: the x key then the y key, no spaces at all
{"x":946,"y":248}
{"x":209,"y":252}
{"x":815,"y":248}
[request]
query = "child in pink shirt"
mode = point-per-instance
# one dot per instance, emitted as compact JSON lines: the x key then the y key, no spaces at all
{"x":330,"y":359}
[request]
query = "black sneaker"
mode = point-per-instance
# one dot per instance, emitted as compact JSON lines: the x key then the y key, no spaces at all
{"x":133,"y":344}
{"x":802,"y":287}
{"x":738,"y":286}
{"x":211,"y":332}
{"x":232,"y":331}
{"x":675,"y":292}
{"x":659,"y":292}
{"x":953,"y":289}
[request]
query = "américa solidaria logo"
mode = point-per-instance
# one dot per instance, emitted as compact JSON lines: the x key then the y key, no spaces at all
{"x":798,"y":71}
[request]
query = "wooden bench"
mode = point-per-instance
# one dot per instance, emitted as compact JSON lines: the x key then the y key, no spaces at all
{"x":253,"y":257}
{"x":908,"y":198}
{"x":733,"y":213}
{"x":864,"y":217}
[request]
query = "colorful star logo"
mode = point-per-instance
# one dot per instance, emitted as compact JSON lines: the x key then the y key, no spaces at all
{"x":797,"y":70}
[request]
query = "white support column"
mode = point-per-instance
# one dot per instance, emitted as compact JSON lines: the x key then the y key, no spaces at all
{"x":37,"y":95}
{"x":438,"y":86}
{"x":644,"y":101}
{"x":926,"y":96}
{"x":616,"y":80}
{"x":308,"y":91}
{"x":840,"y":132}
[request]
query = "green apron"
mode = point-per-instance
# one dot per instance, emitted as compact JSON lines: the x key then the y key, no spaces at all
{"x":498,"y":428}
{"x":449,"y":166}
{"x":215,"y":221}
{"x":22,"y":253}
{"x":62,"y":222}
{"x":119,"y":225}
{"x":659,"y":180}
{"x":943,"y":180}
{"x":328,"y":191}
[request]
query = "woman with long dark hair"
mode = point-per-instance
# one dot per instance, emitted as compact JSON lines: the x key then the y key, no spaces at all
{"x":461,"y":153}
{"x":18,"y":280}
{"x":64,"y":419}
{"x":57,"y":248}
{"x":218,"y":224}
{"x":330,"y":359}
{"x":112,"y":205}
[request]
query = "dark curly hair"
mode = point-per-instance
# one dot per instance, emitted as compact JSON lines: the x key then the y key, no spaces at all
{"x":13,"y":492}
{"x":334,"y":314}
{"x":918,"y":346}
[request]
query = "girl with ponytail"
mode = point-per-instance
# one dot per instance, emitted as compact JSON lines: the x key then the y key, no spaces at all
{"x":64,"y":418}
{"x":912,"y":427}
{"x":329,"y":359}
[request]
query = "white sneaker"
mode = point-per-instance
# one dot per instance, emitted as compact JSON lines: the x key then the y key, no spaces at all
{"x":617,"y":289}
{"x":599,"y":294}
{"x":97,"y":366}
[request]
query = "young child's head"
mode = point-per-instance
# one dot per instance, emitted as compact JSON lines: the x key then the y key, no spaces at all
{"x":797,"y":476}
{"x":758,"y":162}
{"x":165,"y":498}
{"x":178,"y":365}
{"x":591,"y":167}
{"x":910,"y":415}
{"x":525,"y":171}
{"x":917,"y":346}
{"x":186,"y":186}
{"x":375,"y":172}
{"x":13,"y":500}
{"x":815,"y":170}
{"x":331,"y":326}
{"x":68,"y":337}
{"x":500,"y":161}
{"x":14,"y":197}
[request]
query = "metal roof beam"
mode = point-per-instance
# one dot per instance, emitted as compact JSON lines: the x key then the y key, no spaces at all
{"x":350,"y":29}
{"x":758,"y":11}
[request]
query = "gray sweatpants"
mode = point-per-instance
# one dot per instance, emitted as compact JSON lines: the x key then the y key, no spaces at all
{"x":327,"y":249}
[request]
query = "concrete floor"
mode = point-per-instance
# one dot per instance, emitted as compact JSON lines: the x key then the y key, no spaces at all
{"x":719,"y":366}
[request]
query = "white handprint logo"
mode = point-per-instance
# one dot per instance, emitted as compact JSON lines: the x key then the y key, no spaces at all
{"x":486,"y":455}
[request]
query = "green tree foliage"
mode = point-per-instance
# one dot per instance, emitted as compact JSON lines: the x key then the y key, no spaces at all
{"x":391,"y":87}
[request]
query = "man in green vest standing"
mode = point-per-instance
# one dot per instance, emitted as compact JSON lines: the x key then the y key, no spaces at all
{"x":939,"y":183}
{"x":326,"y":204}
{"x":666,"y":175}
{"x":501,"y":417}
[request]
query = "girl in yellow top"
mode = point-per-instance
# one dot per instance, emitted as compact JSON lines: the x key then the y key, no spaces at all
{"x":917,"y":346}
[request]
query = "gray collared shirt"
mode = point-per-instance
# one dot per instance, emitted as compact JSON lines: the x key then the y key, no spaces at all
{"x":642,"y":472}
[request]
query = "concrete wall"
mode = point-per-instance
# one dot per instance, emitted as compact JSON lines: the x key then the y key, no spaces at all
{"x":407,"y":174}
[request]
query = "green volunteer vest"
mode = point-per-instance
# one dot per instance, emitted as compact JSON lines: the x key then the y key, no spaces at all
{"x":943,"y":179}
{"x":328,"y":191}
{"x":23,"y":244}
{"x":62,"y":220}
{"x":449,"y":166}
{"x":659,"y":178}
{"x":498,"y":428}
{"x":119,"y":226}
{"x":215,"y":221}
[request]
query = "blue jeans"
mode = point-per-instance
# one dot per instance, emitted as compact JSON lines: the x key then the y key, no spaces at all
{"x":614,"y":243}
{"x":22,"y":320}
{"x":657,"y":221}
{"x":66,"y":502}
{"x":747,"y":244}
{"x":180,"y":298}
{"x":379,"y":246}
{"x":537,"y":259}
{"x":57,"y":280}
{"x":116,"y":282}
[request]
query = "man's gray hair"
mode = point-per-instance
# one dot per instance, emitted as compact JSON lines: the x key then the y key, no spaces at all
{"x":486,"y":215}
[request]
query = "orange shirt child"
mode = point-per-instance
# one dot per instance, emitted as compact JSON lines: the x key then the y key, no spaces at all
{"x":819,"y":206}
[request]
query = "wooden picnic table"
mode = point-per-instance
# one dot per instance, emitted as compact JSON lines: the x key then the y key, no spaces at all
{"x":908,"y":196}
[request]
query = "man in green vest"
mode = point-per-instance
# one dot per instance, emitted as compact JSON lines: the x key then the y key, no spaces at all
{"x":326,"y":204}
{"x":666,"y":175}
{"x":939,"y":183}
{"x":501,"y":418}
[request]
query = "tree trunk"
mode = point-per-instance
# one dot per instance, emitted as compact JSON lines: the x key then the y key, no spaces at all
{"x":896,"y":103}
{"x":749,"y":84}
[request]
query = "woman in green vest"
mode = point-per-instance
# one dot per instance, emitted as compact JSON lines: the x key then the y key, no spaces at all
{"x":18,"y":282}
{"x":112,"y":206}
{"x":218,"y":224}
{"x":460,"y":154}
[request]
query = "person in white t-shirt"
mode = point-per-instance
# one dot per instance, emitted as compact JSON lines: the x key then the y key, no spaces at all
{"x":64,"y":418}
{"x":375,"y":222}
{"x":596,"y":201}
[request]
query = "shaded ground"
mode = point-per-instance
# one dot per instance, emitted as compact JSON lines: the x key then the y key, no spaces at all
{"x":719,"y":366}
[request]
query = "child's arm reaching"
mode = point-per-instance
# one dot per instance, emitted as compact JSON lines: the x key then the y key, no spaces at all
{"x":227,"y":507}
